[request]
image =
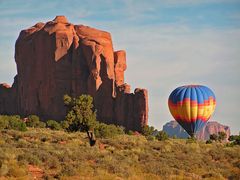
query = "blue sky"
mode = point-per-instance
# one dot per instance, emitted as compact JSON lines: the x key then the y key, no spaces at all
{"x":169,"y":43}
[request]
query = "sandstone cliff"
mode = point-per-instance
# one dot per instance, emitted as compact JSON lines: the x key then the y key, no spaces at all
{"x":212,"y":127}
{"x":57,"y":58}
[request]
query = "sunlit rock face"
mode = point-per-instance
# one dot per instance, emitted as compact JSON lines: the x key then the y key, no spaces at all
{"x":57,"y":58}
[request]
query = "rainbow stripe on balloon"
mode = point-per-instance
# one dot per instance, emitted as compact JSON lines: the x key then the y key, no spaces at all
{"x":192,"y":106}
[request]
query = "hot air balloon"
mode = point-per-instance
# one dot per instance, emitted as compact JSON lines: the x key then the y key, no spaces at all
{"x":192,"y":106}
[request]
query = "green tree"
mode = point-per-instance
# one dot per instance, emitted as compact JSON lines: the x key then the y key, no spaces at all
{"x":235,"y":139}
{"x":54,"y":125}
{"x":147,"y":130}
{"x":232,"y":137}
{"x":130,"y":132}
{"x":12,"y":122}
{"x":213,"y":137}
{"x":161,"y":136}
{"x":34,"y":121}
{"x":80,"y":115}
{"x":3,"y":122}
{"x":209,"y":141}
{"x":64,"y":124}
{"x":222,"y":136}
{"x":108,"y":131}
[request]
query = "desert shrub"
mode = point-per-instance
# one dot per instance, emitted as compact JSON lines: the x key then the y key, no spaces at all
{"x":12,"y":122}
{"x":161,"y":136}
{"x":17,"y":125}
{"x":209,"y":141}
{"x":42,"y":124}
{"x":16,"y":171}
{"x":10,"y":167}
{"x":235,"y":139}
{"x":218,"y":137}
{"x":34,"y":121}
{"x":156,"y":168}
{"x":147,"y":130}
{"x":150,"y":138}
{"x":54,"y":125}
{"x":213,"y":137}
{"x":191,"y":140}
{"x":229,"y":144}
{"x":211,"y":175}
{"x":130,"y":132}
{"x":108,"y":131}
{"x":216,"y":154}
{"x":3,"y":168}
{"x":222,"y":136}
{"x":133,"y":156}
{"x":28,"y":158}
{"x":3,"y":122}
{"x":68,"y":170}
{"x":17,"y":136}
{"x":53,"y":163}
{"x":64,"y":125}
{"x":45,"y":139}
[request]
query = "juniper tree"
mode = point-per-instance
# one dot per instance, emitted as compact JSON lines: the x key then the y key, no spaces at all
{"x":80,"y":115}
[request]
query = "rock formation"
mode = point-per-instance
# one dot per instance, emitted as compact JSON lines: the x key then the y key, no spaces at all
{"x":57,"y":58}
{"x":213,"y":127}
{"x":172,"y":128}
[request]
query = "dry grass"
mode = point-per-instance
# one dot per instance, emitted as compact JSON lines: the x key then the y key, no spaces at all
{"x":59,"y":155}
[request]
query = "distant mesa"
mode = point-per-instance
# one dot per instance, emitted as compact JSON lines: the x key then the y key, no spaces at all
{"x":57,"y":58}
{"x":172,"y":128}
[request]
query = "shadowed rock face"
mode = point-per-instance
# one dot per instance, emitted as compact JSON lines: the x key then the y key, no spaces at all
{"x":57,"y":58}
{"x":212,"y":127}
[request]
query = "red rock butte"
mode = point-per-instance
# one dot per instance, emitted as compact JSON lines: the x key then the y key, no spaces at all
{"x":57,"y":58}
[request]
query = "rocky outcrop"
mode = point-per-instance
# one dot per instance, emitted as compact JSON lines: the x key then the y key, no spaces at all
{"x":213,"y":127}
{"x":57,"y":58}
{"x":172,"y":128}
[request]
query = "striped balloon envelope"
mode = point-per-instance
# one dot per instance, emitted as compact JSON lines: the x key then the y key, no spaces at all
{"x":192,"y":106}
